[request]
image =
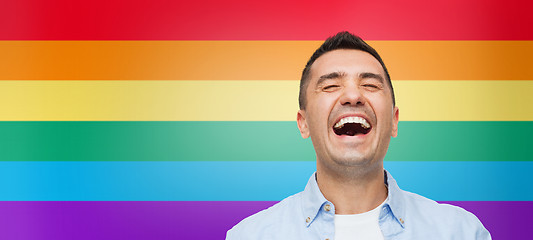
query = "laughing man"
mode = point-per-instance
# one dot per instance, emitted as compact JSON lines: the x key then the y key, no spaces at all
{"x":347,"y":107}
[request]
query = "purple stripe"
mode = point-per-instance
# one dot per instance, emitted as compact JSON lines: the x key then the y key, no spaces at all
{"x":189,"y":220}
{"x":504,"y":220}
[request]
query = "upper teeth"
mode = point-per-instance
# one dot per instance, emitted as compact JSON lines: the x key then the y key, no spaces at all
{"x":359,"y":120}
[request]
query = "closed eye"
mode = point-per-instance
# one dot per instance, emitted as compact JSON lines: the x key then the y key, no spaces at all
{"x":330,"y":87}
{"x":372,"y":86}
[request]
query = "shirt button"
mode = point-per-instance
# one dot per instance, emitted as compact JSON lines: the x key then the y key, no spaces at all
{"x":308,"y":219}
{"x":327,"y":207}
{"x":401,"y":220}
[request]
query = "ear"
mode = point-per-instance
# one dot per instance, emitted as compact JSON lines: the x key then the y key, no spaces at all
{"x":302,"y":123}
{"x":395,"y":119}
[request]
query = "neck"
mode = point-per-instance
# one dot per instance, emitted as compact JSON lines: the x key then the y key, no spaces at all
{"x":353,"y":193}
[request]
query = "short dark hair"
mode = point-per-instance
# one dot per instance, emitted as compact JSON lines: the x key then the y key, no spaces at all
{"x":342,"y":40}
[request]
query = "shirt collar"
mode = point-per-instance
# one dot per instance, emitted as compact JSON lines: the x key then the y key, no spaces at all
{"x":312,"y":199}
{"x":395,"y":200}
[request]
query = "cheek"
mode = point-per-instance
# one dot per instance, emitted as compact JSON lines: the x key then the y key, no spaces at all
{"x":381,"y":105}
{"x":321,"y":108}
{"x":317,"y":122}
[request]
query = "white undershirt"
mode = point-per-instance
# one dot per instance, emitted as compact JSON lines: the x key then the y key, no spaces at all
{"x":364,"y":226}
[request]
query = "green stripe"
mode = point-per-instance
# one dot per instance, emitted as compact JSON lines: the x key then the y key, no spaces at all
{"x":249,"y":141}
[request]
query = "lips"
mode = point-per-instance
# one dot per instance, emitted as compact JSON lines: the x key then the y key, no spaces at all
{"x":352,"y":126}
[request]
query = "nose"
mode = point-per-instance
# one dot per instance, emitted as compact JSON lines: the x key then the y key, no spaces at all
{"x":352,"y":95}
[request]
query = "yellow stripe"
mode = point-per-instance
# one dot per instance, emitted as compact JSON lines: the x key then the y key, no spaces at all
{"x":247,"y":100}
{"x":253,"y":60}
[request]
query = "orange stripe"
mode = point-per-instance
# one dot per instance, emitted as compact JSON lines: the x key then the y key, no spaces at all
{"x":253,"y":60}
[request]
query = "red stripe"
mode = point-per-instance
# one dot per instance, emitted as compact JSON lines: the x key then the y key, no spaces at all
{"x":265,"y":20}
{"x":190,"y":220}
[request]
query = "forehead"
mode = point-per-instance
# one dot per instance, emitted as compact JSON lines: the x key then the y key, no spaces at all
{"x":349,"y":61}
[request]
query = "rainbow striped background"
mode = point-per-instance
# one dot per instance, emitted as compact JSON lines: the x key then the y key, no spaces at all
{"x":161,"y":119}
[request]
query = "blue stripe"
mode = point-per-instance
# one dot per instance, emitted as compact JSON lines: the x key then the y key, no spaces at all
{"x":246,"y":181}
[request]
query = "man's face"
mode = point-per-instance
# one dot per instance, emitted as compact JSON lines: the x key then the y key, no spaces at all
{"x":349,"y":113}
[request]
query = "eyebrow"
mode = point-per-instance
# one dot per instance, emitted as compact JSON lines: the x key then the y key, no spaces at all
{"x":333,"y":75}
{"x":371,"y":75}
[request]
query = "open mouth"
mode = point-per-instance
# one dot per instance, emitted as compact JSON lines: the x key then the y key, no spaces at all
{"x":352,"y":126}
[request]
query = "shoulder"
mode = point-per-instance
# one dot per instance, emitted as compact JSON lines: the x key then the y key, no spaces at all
{"x":268,"y":221}
{"x":426,"y":207}
{"x":449,"y":218}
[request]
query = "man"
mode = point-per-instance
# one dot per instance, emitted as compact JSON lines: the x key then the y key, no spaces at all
{"x":347,"y":107}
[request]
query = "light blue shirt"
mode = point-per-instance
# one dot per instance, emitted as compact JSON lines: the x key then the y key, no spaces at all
{"x":404,"y":216}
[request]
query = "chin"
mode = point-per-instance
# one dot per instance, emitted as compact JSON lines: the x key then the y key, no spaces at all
{"x":353,"y":160}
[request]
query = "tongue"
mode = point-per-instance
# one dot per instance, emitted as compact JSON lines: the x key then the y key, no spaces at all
{"x":351,"y":129}
{"x":350,"y":133}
